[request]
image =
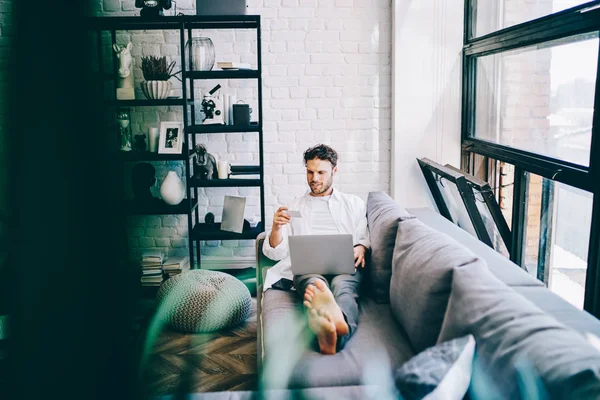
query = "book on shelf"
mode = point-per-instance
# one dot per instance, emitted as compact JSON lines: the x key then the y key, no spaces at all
{"x":244,"y":176}
{"x":158,"y":278}
{"x":175,"y":263}
{"x":152,"y":256}
{"x":175,"y":272}
{"x":153,"y":271}
{"x":233,"y":65}
{"x":150,"y":264}
{"x":151,"y":283}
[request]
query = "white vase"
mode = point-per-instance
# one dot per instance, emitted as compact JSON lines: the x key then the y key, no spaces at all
{"x":172,"y":189}
{"x":156,"y":90}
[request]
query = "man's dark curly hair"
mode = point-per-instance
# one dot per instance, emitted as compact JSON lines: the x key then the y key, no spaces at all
{"x":322,"y":152}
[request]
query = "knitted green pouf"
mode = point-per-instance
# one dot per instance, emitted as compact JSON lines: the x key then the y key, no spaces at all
{"x":203,"y":301}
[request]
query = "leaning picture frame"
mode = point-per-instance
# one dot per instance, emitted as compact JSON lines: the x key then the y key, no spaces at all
{"x":170,"y":140}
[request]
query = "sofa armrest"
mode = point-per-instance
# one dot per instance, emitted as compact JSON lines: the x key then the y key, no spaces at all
{"x":263,"y":263}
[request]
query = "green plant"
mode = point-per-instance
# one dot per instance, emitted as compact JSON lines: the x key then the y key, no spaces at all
{"x":156,"y":68}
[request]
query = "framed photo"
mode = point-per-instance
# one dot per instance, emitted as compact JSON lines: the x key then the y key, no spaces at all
{"x":171,"y":138}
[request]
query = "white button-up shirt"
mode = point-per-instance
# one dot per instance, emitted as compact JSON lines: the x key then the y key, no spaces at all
{"x":350,"y":216}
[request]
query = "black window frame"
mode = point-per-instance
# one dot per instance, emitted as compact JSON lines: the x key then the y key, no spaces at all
{"x":466,"y":185}
{"x":581,"y":19}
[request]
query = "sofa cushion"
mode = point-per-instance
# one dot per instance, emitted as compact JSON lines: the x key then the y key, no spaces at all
{"x":383,"y":215}
{"x":511,"y":332}
{"x":424,"y":260}
{"x":340,"y":392}
{"x":441,"y":372}
{"x":564,"y":312}
{"x":377,"y":336}
{"x":507,"y":271}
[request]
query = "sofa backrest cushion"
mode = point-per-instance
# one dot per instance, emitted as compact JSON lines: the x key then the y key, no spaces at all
{"x":383,"y":215}
{"x":504,"y":269}
{"x":424,"y":260}
{"x":512,"y":332}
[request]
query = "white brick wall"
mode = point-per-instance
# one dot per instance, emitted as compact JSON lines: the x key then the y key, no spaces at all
{"x":326,"y":78}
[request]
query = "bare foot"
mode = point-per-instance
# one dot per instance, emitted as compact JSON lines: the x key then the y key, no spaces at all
{"x":308,"y":295}
{"x":322,"y":299}
{"x":321,"y":323}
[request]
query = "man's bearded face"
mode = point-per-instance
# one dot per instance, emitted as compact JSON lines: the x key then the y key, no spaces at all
{"x":319,"y":176}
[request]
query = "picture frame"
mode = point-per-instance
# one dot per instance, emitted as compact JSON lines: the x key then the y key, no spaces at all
{"x":170,"y":139}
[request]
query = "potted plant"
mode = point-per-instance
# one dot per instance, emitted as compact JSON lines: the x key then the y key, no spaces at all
{"x":156,"y":74}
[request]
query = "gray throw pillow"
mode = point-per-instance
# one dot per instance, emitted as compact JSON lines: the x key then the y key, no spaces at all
{"x":440,"y":372}
{"x":424,"y":260}
{"x":383,"y":215}
{"x":511,"y":332}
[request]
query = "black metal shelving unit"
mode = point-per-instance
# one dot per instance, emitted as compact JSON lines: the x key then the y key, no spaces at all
{"x":222,"y":128}
{"x":201,"y":232}
{"x":160,"y":208}
{"x":185,"y":25}
{"x":146,"y":103}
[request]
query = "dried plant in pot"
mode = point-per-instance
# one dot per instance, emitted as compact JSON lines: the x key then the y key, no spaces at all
{"x":157,"y":73}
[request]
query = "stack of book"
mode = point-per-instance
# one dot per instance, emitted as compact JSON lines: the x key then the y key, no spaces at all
{"x":152,"y":271}
{"x":176,"y":265}
{"x":233,"y":65}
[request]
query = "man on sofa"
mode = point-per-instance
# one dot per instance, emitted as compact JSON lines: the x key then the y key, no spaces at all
{"x":332,"y":300}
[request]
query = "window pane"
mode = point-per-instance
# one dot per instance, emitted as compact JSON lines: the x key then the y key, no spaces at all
{"x":541,"y":98}
{"x":506,"y":184}
{"x":558,"y":228}
{"x":490,"y":224}
{"x":455,"y":204}
{"x":490,"y":16}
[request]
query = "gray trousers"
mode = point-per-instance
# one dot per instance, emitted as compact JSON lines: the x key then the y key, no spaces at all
{"x":345,"y":292}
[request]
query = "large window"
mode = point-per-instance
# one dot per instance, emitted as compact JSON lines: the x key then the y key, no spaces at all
{"x":490,"y":16}
{"x":557,"y":226}
{"x":540,"y":98}
{"x":531,"y":129}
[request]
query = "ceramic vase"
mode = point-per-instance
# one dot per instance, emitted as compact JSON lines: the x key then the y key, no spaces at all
{"x":156,"y":90}
{"x":172,"y":189}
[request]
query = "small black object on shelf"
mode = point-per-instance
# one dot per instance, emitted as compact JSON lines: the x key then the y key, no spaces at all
{"x":209,"y":218}
{"x":152,"y":8}
{"x":142,"y":179}
{"x":241,"y":114}
{"x":140,"y":143}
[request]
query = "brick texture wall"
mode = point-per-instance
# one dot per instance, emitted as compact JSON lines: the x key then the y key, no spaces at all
{"x":326,"y":78}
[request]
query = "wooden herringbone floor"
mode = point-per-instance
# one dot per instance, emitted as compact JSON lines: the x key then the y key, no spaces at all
{"x":206,"y":362}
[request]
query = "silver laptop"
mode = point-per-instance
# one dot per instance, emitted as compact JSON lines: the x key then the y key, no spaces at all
{"x":322,"y":254}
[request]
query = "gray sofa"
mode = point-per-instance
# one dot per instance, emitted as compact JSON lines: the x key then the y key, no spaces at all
{"x":382,"y":341}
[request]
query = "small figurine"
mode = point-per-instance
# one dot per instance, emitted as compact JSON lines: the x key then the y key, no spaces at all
{"x":152,"y":8}
{"x":205,"y":165}
{"x":124,"y":125}
{"x":125,"y":82}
